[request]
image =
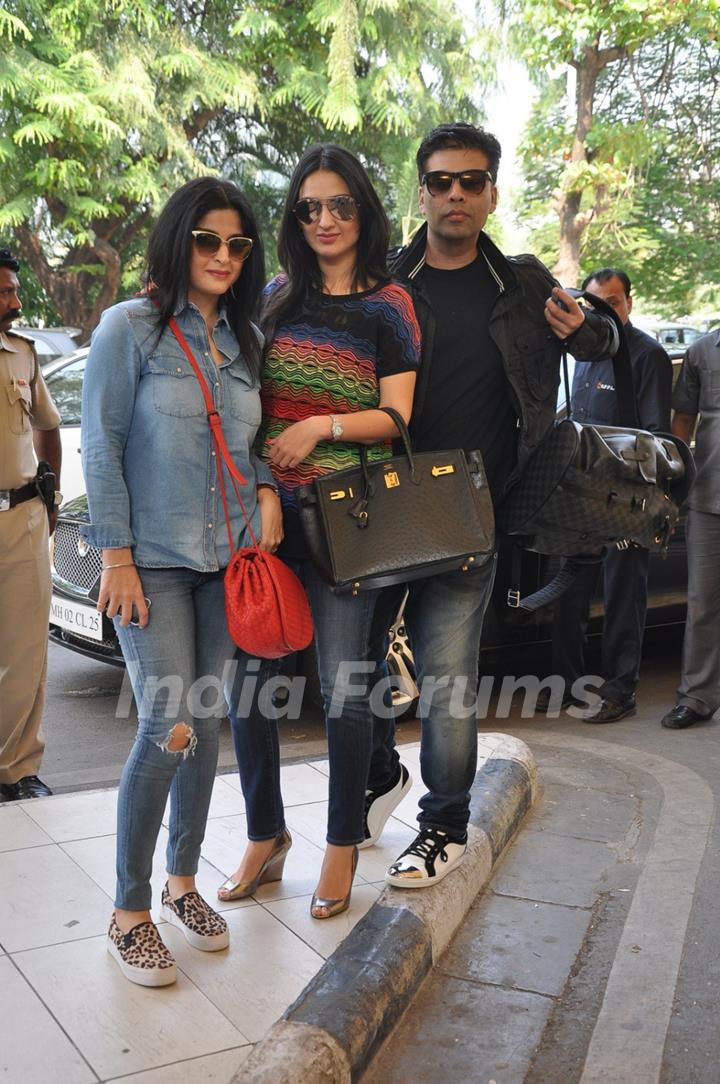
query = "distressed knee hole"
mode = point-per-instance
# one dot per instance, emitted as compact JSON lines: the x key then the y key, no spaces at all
{"x":180,"y":739}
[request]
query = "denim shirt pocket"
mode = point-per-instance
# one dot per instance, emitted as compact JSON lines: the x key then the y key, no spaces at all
{"x":175,"y":388}
{"x":243,"y":394}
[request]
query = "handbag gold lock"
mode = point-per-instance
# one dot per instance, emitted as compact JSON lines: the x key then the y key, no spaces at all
{"x":448,"y":468}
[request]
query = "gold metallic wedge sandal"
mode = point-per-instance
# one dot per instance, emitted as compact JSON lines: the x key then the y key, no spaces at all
{"x":271,"y":870}
{"x":334,"y":907}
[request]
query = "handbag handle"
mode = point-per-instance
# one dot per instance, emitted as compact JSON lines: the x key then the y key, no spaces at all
{"x":622,"y":367}
{"x":404,"y":436}
{"x":222,"y":452}
{"x":359,"y":509}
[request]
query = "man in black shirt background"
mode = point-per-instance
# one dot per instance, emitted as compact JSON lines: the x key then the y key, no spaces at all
{"x":625,"y":571}
{"x":492,"y":329}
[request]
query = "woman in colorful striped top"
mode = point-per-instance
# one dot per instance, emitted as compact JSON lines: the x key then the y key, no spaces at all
{"x":341,"y":341}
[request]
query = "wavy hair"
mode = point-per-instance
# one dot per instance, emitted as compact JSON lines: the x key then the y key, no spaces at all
{"x":297,"y":258}
{"x":170,"y":250}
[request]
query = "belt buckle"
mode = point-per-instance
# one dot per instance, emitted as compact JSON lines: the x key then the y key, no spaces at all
{"x":5,"y":500}
{"x":513,"y":598}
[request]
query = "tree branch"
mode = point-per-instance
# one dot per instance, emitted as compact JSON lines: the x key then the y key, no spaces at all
{"x":199,"y":120}
{"x":612,"y":53}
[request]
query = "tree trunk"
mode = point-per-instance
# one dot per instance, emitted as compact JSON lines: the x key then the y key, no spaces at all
{"x":573,"y":222}
{"x":567,"y":268}
{"x":74,"y":291}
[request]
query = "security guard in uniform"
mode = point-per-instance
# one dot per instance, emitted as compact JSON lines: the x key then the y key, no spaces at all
{"x":625,"y":571}
{"x":29,"y":432}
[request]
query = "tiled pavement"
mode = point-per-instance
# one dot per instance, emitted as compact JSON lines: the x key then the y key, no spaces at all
{"x":66,"y":1012}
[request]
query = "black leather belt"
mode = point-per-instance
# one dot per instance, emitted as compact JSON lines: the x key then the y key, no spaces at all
{"x":10,"y":497}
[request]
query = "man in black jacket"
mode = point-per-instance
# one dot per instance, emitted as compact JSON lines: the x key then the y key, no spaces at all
{"x":492,"y":332}
{"x":624,"y":571}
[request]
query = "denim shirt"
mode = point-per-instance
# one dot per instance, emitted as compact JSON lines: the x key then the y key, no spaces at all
{"x":147,"y":453}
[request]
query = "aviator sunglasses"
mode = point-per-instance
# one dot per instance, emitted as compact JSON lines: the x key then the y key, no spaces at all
{"x":341,"y":207}
{"x":440,"y":181}
{"x":208,"y":243}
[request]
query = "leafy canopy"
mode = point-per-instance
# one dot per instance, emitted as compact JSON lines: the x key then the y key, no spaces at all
{"x":106,"y":107}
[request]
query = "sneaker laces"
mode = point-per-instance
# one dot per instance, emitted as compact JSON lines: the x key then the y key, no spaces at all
{"x":428,"y":845}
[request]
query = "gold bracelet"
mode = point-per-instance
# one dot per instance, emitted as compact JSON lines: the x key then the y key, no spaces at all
{"x":121,"y":564}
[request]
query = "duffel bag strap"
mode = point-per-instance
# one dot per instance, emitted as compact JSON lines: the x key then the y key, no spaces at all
{"x":562,"y":582}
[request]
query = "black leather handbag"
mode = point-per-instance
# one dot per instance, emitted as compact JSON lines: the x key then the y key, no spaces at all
{"x":405,"y":518}
{"x":590,"y":486}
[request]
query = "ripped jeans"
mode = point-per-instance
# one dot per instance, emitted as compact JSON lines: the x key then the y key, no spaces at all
{"x":177,"y":666}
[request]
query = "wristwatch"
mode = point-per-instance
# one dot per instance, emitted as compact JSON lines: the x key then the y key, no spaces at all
{"x":336,"y":430}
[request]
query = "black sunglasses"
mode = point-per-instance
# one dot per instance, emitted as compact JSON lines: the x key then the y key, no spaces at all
{"x":439,"y":181}
{"x":341,"y":207}
{"x":208,"y":243}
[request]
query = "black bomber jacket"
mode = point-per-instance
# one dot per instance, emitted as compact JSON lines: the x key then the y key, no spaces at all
{"x":530,"y":351}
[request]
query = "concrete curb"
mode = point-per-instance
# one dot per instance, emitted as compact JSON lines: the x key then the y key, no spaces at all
{"x":332,"y":1031}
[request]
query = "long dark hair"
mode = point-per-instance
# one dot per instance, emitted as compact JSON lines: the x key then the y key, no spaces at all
{"x":170,"y":249}
{"x":298,"y":259}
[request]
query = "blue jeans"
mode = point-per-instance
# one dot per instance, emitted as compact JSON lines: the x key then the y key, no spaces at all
{"x":342,"y":631}
{"x":185,"y":640}
{"x":444,"y":617}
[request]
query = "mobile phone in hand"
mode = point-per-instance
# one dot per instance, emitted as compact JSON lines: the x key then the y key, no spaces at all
{"x":94,"y":594}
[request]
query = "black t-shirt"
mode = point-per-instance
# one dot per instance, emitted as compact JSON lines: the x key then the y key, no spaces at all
{"x":467,"y":403}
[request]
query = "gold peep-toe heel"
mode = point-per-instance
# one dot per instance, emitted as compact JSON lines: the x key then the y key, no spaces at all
{"x":334,"y":907}
{"x":271,"y":870}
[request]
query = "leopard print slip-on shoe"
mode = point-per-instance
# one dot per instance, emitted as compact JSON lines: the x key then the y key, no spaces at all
{"x":141,"y":954}
{"x":203,"y":928}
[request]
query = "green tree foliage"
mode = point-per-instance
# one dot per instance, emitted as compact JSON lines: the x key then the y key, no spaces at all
{"x":669,"y":96}
{"x":107,"y":107}
{"x":592,"y":156}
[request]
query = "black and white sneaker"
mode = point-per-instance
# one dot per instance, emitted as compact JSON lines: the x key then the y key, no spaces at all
{"x":379,"y":806}
{"x":430,"y":857}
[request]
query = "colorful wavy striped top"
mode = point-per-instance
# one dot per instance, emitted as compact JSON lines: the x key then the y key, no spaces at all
{"x":329,"y":360}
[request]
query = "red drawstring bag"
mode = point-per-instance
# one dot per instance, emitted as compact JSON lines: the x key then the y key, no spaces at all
{"x":266,"y":608}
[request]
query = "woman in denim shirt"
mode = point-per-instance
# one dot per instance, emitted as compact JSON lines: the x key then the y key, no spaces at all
{"x":151,"y":477}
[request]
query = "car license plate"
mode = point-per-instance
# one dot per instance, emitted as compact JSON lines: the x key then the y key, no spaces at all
{"x":76,"y":617}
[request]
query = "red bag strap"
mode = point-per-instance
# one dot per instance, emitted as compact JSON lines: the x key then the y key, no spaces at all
{"x":222,"y":452}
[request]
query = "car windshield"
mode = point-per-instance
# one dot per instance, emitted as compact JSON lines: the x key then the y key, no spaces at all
{"x":65,"y":386}
{"x":678,"y":335}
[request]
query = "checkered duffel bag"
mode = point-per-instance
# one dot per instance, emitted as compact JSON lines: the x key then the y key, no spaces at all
{"x":591,"y":486}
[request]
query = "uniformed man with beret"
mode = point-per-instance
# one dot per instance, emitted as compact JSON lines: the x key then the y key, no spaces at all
{"x":29,"y":434}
